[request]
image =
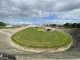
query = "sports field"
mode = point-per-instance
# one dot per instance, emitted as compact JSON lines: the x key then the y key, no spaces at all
{"x":36,"y":38}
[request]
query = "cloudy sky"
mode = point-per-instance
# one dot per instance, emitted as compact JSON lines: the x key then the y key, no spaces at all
{"x":40,"y":11}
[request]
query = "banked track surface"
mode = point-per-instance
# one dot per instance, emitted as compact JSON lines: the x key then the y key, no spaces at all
{"x":72,"y":53}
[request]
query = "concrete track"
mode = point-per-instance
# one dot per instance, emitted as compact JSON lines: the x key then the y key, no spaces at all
{"x":72,"y":53}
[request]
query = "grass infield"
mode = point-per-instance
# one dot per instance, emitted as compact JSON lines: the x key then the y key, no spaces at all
{"x":33,"y":38}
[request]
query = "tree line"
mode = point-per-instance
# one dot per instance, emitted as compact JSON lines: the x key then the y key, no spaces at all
{"x":66,"y":25}
{"x":72,"y":25}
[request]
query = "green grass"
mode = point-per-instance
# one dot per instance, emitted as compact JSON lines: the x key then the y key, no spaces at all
{"x":8,"y":27}
{"x":32,"y":38}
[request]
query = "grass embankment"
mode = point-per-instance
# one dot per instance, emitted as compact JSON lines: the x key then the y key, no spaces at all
{"x":32,"y":38}
{"x":8,"y":27}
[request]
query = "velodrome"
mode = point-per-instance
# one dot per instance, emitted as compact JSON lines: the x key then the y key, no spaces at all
{"x":71,"y":54}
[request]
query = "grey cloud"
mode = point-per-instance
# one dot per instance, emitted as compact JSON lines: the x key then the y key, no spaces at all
{"x":70,"y":5}
{"x":25,"y":8}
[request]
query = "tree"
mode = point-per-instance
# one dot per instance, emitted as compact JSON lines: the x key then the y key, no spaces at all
{"x":2,"y":24}
{"x":74,"y":25}
{"x":67,"y":25}
{"x":78,"y":25}
{"x":52,"y":25}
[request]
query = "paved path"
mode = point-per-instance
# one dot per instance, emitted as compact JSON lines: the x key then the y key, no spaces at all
{"x":72,"y":53}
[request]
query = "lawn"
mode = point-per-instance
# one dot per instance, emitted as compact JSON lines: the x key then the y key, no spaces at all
{"x":33,"y":38}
